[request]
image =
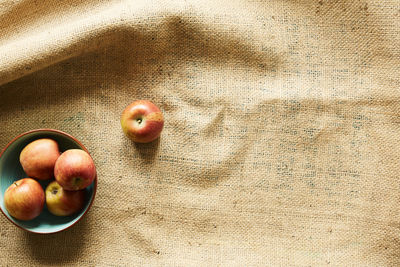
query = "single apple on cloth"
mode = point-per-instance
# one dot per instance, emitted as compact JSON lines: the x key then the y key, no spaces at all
{"x":142,"y":121}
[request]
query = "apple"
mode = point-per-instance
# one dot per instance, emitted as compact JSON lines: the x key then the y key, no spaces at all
{"x":142,"y":121}
{"x":24,"y":199}
{"x":62,"y":202}
{"x":39,"y":157}
{"x":74,"y":169}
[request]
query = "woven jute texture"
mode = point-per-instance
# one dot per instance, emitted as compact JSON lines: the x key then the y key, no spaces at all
{"x":282,"y":129}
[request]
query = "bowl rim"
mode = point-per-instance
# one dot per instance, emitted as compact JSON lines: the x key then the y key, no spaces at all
{"x":94,"y":181}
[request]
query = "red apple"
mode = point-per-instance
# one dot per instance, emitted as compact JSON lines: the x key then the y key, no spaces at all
{"x":38,"y":158}
{"x":142,"y":121}
{"x":74,"y":169}
{"x":62,"y":202}
{"x":24,"y":199}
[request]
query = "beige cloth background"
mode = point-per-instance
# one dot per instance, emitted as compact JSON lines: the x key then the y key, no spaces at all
{"x":282,"y":137}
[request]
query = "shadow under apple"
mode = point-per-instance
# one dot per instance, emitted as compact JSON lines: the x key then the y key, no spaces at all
{"x":147,"y":151}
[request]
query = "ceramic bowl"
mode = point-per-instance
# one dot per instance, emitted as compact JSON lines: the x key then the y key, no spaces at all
{"x":11,"y":171}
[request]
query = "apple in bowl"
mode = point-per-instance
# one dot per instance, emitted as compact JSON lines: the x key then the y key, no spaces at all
{"x":142,"y":121}
{"x":24,"y":199}
{"x":39,"y":157}
{"x":74,"y":169}
{"x":61,"y":202}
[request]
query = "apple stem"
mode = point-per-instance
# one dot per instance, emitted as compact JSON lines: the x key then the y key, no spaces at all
{"x":15,"y":183}
{"x":139,"y":120}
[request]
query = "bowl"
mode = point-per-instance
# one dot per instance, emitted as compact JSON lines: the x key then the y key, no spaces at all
{"x":11,"y":171}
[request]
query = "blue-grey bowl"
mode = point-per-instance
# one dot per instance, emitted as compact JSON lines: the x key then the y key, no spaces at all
{"x":11,"y":171}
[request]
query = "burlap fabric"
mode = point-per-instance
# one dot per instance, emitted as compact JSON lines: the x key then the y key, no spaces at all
{"x":282,"y":137}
